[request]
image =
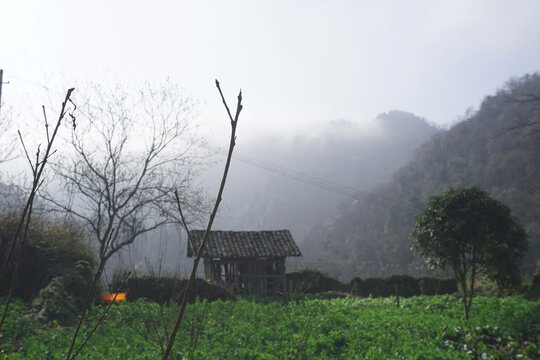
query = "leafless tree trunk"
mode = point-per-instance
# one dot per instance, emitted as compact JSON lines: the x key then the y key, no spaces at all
{"x":126,"y":161}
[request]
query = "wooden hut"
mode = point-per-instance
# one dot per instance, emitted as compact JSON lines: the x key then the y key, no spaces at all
{"x":250,"y":262}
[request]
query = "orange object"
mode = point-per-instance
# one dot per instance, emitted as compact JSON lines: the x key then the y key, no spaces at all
{"x":108,"y":298}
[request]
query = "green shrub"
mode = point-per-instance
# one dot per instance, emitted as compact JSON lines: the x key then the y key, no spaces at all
{"x":312,"y":281}
{"x":17,"y":326}
{"x":54,"y":303}
{"x":162,"y":289}
{"x":376,"y":287}
{"x":437,"y":286}
{"x":407,"y":285}
{"x":51,"y":251}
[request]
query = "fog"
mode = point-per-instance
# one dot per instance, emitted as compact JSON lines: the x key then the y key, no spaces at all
{"x":294,"y":184}
{"x":315,"y":77}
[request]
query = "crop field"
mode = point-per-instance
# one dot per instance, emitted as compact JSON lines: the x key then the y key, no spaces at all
{"x":348,"y":328}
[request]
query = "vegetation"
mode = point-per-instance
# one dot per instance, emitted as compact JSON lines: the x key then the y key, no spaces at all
{"x":308,"y":281}
{"x":370,"y":235}
{"x":126,"y":157}
{"x":471,"y":233}
{"x":422,"y":327}
{"x":52,"y":252}
{"x":167,"y":289}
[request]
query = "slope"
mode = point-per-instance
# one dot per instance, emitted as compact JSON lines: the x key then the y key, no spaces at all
{"x":496,"y":148}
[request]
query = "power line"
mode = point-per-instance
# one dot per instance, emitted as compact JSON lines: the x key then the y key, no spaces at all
{"x":309,"y":179}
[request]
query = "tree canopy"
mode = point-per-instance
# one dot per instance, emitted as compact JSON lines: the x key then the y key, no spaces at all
{"x":470,"y":232}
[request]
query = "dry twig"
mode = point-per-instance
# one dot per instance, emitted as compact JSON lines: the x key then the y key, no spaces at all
{"x":37,"y":172}
{"x":234,"y":122}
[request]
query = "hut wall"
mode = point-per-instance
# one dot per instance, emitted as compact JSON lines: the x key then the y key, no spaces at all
{"x":248,"y":277}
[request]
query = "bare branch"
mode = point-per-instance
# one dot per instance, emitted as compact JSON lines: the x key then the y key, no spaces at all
{"x":100,"y":320}
{"x":46,"y":123}
{"x":26,"y":152}
{"x":37,"y":171}
{"x":210,"y":222}
{"x":184,"y":220}
{"x":119,"y":187}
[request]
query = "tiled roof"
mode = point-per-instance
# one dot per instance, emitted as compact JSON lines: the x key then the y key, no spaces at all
{"x":245,"y":244}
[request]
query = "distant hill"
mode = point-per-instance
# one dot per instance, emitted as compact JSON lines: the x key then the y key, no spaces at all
{"x":347,"y":153}
{"x":496,"y":148}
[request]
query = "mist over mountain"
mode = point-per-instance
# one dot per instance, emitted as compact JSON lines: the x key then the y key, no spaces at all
{"x":279,"y":184}
{"x":290,"y":184}
{"x":496,"y":148}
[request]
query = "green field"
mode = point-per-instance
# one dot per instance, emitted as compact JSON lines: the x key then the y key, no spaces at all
{"x":350,"y":328}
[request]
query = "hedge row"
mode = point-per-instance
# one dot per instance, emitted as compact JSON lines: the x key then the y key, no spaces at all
{"x":171,"y":289}
{"x":312,"y":281}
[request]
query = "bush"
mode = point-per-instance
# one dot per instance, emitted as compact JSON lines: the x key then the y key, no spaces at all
{"x":54,"y":303}
{"x":437,"y":286}
{"x":376,"y":287}
{"x":163,"y":289}
{"x":51,"y":251}
{"x":407,"y":285}
{"x":312,"y":281}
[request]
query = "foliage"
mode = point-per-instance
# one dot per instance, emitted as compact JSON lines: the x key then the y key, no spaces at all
{"x":166,"y":289}
{"x":370,"y":235}
{"x":17,"y":326}
{"x":422,"y":327}
{"x":471,"y":233}
{"x":54,"y":303}
{"x":312,"y":281}
{"x":52,"y":251}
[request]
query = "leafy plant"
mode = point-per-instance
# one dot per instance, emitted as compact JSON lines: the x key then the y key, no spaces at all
{"x":471,"y":233}
{"x":54,"y":303}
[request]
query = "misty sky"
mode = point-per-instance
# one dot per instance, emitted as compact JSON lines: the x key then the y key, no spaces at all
{"x":299,"y":63}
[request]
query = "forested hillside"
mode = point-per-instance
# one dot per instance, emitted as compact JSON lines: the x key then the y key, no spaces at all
{"x":496,"y":147}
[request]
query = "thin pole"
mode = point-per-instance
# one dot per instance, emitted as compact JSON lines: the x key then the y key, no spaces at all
{"x":1,"y":82}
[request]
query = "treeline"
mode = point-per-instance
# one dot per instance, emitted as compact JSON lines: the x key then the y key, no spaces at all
{"x":313,"y":281}
{"x":495,"y":148}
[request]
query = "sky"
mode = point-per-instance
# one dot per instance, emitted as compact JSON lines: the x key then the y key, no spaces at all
{"x":299,"y":63}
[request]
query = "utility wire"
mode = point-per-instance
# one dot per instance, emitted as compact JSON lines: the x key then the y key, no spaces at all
{"x":309,"y":179}
{"x":285,"y":172}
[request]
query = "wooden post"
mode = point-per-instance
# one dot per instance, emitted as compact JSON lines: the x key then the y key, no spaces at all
{"x":397,"y":294}
{"x":1,"y":82}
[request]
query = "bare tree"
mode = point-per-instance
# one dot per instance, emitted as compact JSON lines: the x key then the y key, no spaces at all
{"x":128,"y":155}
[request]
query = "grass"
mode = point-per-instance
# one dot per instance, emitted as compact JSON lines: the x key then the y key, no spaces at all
{"x":350,"y":328}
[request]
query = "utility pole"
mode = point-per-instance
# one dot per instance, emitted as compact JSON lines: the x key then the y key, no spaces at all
{"x":1,"y":82}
